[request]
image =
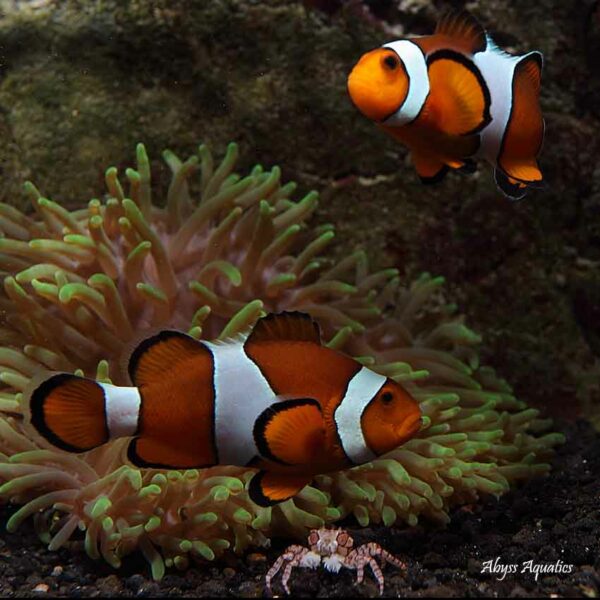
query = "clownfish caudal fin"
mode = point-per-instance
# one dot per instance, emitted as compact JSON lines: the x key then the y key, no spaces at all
{"x":267,"y":488}
{"x":68,"y":411}
{"x":514,"y":188}
{"x":464,"y":29}
{"x":524,"y":132}
{"x":511,"y":188}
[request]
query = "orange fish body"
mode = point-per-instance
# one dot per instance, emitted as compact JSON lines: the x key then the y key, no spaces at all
{"x":454,"y":96}
{"x":278,"y":401}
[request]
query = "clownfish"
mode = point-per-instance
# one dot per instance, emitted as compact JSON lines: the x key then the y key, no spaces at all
{"x":276,"y":400}
{"x":454,"y":96}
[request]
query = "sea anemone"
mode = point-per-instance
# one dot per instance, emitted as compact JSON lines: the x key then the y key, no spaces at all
{"x":79,"y":286}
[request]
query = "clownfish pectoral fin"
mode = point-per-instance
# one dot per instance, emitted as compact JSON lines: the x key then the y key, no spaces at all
{"x":267,"y":488}
{"x":524,"y":132}
{"x":291,"y":432}
{"x":159,"y":353}
{"x":465,"y":30}
{"x":67,"y":410}
{"x":285,"y":326}
{"x":180,"y":453}
{"x":459,"y":96}
{"x":429,"y":169}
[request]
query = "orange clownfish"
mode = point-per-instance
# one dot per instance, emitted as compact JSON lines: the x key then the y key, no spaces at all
{"x":454,"y":96}
{"x":276,"y":400}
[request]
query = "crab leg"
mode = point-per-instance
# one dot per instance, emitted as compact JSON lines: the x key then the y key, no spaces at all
{"x":365,"y":555}
{"x":294,"y":556}
{"x":333,"y":548}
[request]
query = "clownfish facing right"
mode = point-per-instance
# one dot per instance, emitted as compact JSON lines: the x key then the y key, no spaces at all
{"x":453,"y":96}
{"x":276,"y":400}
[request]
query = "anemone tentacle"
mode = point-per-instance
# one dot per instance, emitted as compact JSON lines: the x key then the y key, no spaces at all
{"x":80,"y":285}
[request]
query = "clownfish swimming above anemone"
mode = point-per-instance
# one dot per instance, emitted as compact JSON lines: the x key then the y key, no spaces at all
{"x":276,"y":400}
{"x":454,"y":96}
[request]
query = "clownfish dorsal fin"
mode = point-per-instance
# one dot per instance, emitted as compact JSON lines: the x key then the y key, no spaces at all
{"x":465,"y":29}
{"x":161,"y":352}
{"x":285,"y":326}
{"x":267,"y":488}
{"x":291,"y":432}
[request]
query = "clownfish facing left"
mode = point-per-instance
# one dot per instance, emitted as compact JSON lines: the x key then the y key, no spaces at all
{"x":276,"y":400}
{"x":453,"y":96}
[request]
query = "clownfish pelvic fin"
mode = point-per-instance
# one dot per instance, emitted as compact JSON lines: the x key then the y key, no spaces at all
{"x":267,"y":488}
{"x":429,"y":169}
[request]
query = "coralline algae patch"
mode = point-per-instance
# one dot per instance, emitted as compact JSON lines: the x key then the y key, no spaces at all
{"x":218,"y":252}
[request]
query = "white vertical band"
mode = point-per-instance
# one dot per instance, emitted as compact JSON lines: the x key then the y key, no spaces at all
{"x":361,"y":390}
{"x":418,"y":82}
{"x":497,"y":68}
{"x":241,"y":394}
{"x":122,"y":409}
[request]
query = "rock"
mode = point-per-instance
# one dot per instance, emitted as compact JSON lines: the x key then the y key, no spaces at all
{"x":81,"y":82}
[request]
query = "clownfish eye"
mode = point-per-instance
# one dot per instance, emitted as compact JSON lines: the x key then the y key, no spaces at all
{"x":387,"y":397}
{"x":390,"y":62}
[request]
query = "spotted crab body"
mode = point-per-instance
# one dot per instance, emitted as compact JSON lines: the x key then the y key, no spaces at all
{"x":334,"y":548}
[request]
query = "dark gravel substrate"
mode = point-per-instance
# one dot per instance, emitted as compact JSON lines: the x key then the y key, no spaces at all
{"x":547,"y":520}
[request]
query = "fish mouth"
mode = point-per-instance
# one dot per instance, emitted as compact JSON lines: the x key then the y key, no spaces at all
{"x":410,"y":426}
{"x":364,"y":96}
{"x":358,"y":88}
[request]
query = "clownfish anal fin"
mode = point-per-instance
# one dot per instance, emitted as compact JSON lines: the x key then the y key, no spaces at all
{"x":150,"y":453}
{"x":459,"y":95}
{"x":429,"y":169}
{"x":465,"y":29}
{"x":291,"y":432}
{"x":161,"y":352}
{"x":267,"y":488}
{"x":285,"y":326}
{"x":524,"y":132}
